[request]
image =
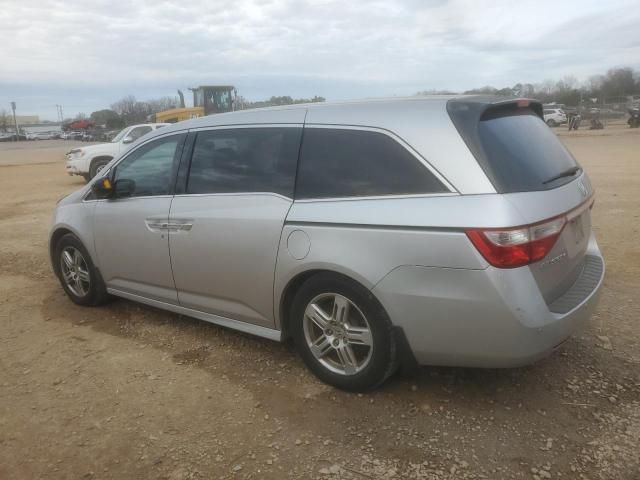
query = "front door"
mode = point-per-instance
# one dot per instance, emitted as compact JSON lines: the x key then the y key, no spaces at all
{"x":131,"y":236}
{"x":225,"y":229}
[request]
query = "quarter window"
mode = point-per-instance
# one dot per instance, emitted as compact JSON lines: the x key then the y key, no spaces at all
{"x":357,"y":163}
{"x":244,"y":160}
{"x":148,"y":170}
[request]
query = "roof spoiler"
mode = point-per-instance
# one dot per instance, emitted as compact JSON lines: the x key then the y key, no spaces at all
{"x":481,"y":107}
{"x":467,"y":112}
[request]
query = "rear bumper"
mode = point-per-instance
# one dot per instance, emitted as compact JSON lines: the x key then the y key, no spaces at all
{"x":484,"y":318}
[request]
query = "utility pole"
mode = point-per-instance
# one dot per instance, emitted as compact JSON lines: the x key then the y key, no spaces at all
{"x":60,"y":114}
{"x":15,"y":121}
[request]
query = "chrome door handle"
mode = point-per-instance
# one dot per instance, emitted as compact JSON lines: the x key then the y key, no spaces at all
{"x":156,"y":225}
{"x":180,"y":225}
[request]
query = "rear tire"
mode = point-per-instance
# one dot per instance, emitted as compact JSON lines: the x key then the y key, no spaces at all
{"x":97,"y":166}
{"x":343,"y":333}
{"x":78,"y":276}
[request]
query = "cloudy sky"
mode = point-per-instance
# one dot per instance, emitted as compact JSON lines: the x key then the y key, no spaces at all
{"x":85,"y":54}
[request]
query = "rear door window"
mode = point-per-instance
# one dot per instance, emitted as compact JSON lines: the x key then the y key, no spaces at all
{"x":355,"y":163}
{"x":515,"y":148}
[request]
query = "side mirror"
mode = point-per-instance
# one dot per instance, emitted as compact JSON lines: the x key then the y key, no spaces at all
{"x":103,"y":188}
{"x":127,"y":139}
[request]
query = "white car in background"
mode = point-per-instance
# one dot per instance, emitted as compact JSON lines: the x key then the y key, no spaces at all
{"x":39,"y":135}
{"x":88,"y":161}
{"x":554,"y":116}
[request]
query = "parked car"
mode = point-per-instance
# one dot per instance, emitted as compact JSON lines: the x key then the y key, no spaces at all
{"x":88,"y":161}
{"x":12,"y":137}
{"x":71,"y":135}
{"x":554,"y":116}
{"x":432,"y":231}
{"x":39,"y":135}
{"x":89,"y":136}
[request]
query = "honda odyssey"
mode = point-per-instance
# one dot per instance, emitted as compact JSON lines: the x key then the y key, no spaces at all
{"x":424,"y":231}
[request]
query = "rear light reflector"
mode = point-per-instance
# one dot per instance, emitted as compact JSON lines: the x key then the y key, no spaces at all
{"x":516,"y":247}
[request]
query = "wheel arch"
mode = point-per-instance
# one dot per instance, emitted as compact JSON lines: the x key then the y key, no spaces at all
{"x":98,"y":158}
{"x":294,"y":284}
{"x":59,"y":232}
{"x":55,"y":237}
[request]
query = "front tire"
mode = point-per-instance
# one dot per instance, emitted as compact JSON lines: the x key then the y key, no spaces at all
{"x":78,"y":275}
{"x":343,"y":333}
{"x":552,"y":123}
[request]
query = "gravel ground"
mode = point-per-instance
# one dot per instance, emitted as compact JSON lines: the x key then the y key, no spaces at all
{"x":127,"y":391}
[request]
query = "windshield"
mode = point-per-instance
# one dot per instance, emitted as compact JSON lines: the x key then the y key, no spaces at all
{"x":119,"y":136}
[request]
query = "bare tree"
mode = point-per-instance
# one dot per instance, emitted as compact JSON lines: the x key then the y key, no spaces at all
{"x":133,"y":111}
{"x":163,"y":103}
{"x":130,"y":110}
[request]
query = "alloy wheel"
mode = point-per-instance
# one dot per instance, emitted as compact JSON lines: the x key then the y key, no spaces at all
{"x":75,"y":272}
{"x":338,"y":334}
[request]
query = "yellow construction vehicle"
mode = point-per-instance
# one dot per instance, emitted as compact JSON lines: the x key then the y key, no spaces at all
{"x":207,"y":100}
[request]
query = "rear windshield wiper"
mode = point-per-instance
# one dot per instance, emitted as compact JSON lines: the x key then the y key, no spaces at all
{"x":569,"y":172}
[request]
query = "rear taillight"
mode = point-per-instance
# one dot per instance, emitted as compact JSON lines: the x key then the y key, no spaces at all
{"x":515,"y":247}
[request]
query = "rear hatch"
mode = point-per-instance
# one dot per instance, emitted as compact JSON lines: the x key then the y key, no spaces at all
{"x":532,"y":169}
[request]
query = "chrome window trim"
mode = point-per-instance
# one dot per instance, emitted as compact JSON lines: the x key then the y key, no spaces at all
{"x":145,"y":197}
{"x":392,"y":135}
{"x":283,"y":197}
{"x":434,"y":171}
{"x":376,"y":197}
{"x":234,"y":194}
{"x":247,"y":125}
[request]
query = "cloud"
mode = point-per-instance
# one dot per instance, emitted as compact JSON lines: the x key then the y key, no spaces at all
{"x":86,"y":52}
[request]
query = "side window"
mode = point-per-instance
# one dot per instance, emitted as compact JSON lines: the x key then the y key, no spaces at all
{"x":356,"y":163}
{"x":137,"y":132}
{"x":148,"y":170}
{"x":245,"y":160}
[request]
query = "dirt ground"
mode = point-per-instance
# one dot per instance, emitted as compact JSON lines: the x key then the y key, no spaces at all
{"x":126,"y":391}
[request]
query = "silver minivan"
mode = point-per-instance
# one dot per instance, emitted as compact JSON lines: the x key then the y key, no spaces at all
{"x":378,"y":234}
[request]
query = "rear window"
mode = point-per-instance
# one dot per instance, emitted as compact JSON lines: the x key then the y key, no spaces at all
{"x":514,"y":146}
